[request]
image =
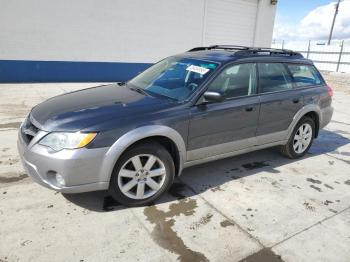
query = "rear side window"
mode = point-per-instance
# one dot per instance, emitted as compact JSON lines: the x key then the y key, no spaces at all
{"x":273,"y":77}
{"x":304,"y":75}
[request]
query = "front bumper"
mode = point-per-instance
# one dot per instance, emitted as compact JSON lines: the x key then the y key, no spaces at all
{"x":80,"y":168}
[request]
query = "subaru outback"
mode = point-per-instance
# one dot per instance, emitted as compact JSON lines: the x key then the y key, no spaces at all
{"x":209,"y":103}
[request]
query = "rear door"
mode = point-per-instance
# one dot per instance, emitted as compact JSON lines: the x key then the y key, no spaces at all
{"x":309,"y":81}
{"x":279,"y":102}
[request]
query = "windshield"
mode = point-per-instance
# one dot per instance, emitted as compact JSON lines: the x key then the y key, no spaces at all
{"x":174,"y":77}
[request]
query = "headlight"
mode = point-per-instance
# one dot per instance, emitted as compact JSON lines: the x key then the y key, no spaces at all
{"x":60,"y":140}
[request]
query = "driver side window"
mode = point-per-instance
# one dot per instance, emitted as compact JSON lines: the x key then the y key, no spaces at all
{"x":235,"y":81}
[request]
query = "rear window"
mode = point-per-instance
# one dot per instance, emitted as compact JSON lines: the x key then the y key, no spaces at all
{"x":273,"y":77}
{"x":304,"y":75}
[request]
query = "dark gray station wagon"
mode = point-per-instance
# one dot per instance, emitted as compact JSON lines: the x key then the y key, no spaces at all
{"x":209,"y":103}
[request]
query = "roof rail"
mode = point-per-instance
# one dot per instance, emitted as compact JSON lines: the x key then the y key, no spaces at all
{"x":223,"y":47}
{"x":268,"y":51}
{"x":244,"y":50}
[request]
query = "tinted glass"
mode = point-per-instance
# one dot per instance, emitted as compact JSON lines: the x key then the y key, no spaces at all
{"x":273,"y":77}
{"x":237,"y":80}
{"x":173,"y":77}
{"x":304,"y":75}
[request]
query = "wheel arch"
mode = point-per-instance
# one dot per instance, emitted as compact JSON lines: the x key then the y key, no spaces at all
{"x":312,"y":111}
{"x":166,"y":136}
{"x":315,"y":117}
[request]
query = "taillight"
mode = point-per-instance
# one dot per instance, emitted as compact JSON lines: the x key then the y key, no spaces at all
{"x":329,"y":90}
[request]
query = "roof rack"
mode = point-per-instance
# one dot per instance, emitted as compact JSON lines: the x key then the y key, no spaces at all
{"x":268,"y":51}
{"x":244,"y":50}
{"x":223,"y":47}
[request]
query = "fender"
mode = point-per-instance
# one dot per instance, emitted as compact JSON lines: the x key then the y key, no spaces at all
{"x":122,"y":143}
{"x":304,"y":110}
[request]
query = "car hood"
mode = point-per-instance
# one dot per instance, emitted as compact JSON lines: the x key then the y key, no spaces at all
{"x":89,"y":107}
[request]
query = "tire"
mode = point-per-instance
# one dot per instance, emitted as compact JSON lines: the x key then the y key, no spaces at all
{"x":135,"y":166}
{"x":291,"y":150}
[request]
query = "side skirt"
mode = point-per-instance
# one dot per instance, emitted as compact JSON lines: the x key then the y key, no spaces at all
{"x":233,"y":153}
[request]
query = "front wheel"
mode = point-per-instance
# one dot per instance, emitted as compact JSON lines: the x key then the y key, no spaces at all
{"x":301,"y":139}
{"x":142,"y":174}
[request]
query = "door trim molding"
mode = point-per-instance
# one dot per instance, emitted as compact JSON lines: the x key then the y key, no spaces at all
{"x":232,"y":153}
{"x":210,"y":151}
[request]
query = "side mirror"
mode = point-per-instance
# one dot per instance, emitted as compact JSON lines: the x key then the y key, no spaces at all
{"x":213,"y":97}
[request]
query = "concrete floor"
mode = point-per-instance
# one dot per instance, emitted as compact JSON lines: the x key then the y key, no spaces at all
{"x":258,"y":206}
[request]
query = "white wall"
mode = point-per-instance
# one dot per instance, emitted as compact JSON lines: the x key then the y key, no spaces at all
{"x":230,"y":22}
{"x":264,"y":23}
{"x":127,"y":30}
{"x":322,"y":55}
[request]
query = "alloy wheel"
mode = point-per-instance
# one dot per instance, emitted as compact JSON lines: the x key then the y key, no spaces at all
{"x":302,"y":138}
{"x":141,"y":176}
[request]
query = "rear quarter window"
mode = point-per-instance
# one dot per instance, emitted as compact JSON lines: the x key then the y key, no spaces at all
{"x":304,"y":75}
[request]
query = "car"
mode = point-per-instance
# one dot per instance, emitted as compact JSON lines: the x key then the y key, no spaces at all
{"x":208,"y":103}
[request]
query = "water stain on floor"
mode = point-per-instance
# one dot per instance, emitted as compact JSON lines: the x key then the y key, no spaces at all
{"x":226,"y":223}
{"x":328,"y":186}
{"x":264,"y":255}
{"x":308,"y":206}
{"x":10,"y":125}
{"x":163,"y":233}
{"x":275,"y":184}
{"x":12,"y":177}
{"x":327,"y":202}
{"x":315,"y":181}
{"x":316,"y":188}
{"x":255,"y":165}
{"x":9,"y":162}
{"x":202,"y":221}
{"x":216,"y":188}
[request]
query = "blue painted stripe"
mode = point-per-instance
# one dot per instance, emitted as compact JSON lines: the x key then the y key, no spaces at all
{"x":20,"y":71}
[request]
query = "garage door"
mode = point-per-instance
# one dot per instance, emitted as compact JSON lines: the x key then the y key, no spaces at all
{"x":230,"y":22}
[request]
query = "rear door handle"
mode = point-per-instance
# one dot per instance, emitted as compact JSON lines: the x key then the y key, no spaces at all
{"x":249,"y":109}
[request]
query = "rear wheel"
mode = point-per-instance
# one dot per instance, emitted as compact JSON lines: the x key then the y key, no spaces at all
{"x":301,"y":139}
{"x":142,"y":174}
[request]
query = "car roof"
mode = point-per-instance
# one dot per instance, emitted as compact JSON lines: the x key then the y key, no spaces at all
{"x":224,"y":54}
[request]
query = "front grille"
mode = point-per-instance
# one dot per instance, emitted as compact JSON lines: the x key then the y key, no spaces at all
{"x":28,"y":130}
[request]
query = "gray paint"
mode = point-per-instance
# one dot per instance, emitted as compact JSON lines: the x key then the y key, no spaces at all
{"x":116,"y":150}
{"x":219,"y":123}
{"x":277,"y":110}
{"x":201,"y":132}
{"x":80,"y":168}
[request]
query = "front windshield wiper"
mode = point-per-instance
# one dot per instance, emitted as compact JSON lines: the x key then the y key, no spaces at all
{"x":121,"y":83}
{"x":150,"y":93}
{"x":139,"y":90}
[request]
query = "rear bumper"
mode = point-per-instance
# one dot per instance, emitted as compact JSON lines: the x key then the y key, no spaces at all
{"x":81,"y":169}
{"x":326,"y":116}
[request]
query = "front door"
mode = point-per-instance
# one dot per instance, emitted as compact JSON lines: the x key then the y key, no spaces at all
{"x":223,"y":127}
